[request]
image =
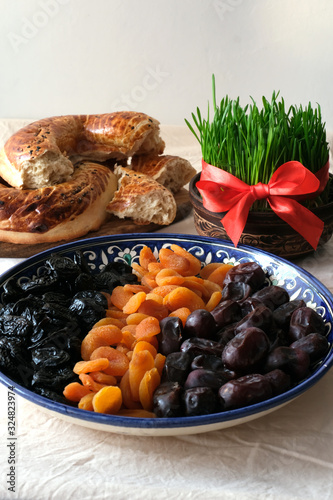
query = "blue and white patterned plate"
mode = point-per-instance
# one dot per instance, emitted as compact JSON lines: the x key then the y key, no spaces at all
{"x":99,"y":251}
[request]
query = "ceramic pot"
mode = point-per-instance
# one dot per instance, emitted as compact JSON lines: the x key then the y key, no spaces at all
{"x":264,"y":230}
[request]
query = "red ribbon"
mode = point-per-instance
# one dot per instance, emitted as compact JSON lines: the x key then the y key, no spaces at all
{"x":223,"y":192}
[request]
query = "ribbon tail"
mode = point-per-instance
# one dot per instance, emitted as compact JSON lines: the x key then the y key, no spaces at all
{"x":302,"y":220}
{"x":235,"y":219}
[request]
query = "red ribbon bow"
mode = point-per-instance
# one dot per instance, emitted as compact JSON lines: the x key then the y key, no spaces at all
{"x":223,"y":192}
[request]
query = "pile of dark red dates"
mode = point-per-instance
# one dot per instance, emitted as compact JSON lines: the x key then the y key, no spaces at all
{"x":256,"y":344}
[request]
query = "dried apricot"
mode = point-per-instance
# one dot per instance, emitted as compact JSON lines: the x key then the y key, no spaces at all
{"x":208,"y":269}
{"x":128,"y":336}
{"x":219,"y":274}
{"x":103,"y":322}
{"x":159,"y":362}
{"x":153,"y":308}
{"x":102,"y":335}
{"x":143,"y":345}
{"x":155,"y":267}
{"x":117,"y":361}
{"x":139,"y":271}
{"x":120,"y":297}
{"x":108,"y":400}
{"x":214,"y":300}
{"x":135,"y":318}
{"x":183,"y":297}
{"x":85,"y":402}
{"x":149,"y":280}
{"x":90,"y":383}
{"x":154,"y":296}
{"x":169,"y":277}
{"x":125,"y":388}
{"x":117,"y":322}
{"x":171,"y":260}
{"x":134,"y":303}
{"x":195,"y":263}
{"x":132,"y":287}
{"x":150,"y":381}
{"x":164,"y":290}
{"x":103,"y":378}
{"x":140,"y":363}
{"x":75,"y":391}
{"x":146,"y":257}
{"x":93,"y":365}
{"x":148,"y":327}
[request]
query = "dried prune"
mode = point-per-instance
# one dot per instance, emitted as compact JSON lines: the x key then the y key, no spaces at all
{"x":199,"y":401}
{"x":43,"y":319}
{"x":314,"y":344}
{"x":279,"y":380}
{"x":95,"y":295}
{"x":106,"y":282}
{"x":244,"y":391}
{"x":249,"y":305}
{"x":15,"y":360}
{"x":249,"y":273}
{"x":272,"y":296}
{"x":208,"y":362}
{"x":225,"y":334}
{"x":226,"y":312}
{"x":11,"y":291}
{"x":63,"y":267}
{"x":177,"y":366}
{"x":55,"y":297}
{"x":303,"y":321}
{"x":200,"y":323}
{"x":261,"y":317}
{"x":26,"y":306}
{"x":15,"y":326}
{"x":49,"y":356}
{"x":236,"y":290}
{"x":57,"y":312}
{"x":295,"y":362}
{"x":41,"y":284}
{"x":53,"y":378}
{"x":84,"y":282}
{"x":167,"y":400}
{"x":170,"y":336}
{"x":87,"y":312}
{"x":68,"y":339}
{"x":246,"y":350}
{"x":204,"y":378}
{"x":283,"y":313}
{"x":197,"y":345}
{"x":115,"y":274}
{"x":80,"y":260}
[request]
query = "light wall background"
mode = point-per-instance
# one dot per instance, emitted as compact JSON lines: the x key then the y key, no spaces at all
{"x":158,"y":56}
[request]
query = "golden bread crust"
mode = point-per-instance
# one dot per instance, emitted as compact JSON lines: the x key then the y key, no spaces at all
{"x":44,"y":152}
{"x":172,"y":172}
{"x":62,"y":212}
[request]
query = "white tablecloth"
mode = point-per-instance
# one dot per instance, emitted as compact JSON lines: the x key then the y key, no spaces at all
{"x":286,"y":455}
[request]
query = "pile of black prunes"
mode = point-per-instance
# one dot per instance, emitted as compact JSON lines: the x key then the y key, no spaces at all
{"x":43,"y":320}
{"x":256,"y":344}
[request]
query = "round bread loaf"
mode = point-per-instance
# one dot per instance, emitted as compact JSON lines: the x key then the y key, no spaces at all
{"x":60,"y":212}
{"x":44,"y":153}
